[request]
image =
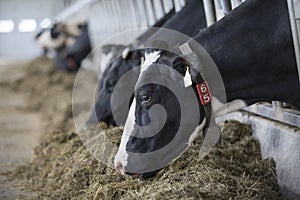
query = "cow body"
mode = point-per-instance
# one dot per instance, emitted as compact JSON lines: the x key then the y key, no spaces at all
{"x":252,"y":48}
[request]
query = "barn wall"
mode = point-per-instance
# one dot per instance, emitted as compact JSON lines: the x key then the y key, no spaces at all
{"x":20,"y":45}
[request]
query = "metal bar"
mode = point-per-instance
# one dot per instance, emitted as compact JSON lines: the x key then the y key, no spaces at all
{"x":159,"y":11}
{"x":277,"y":104}
{"x":218,"y":10}
{"x":284,"y":115}
{"x":136,"y":13}
{"x":182,"y":3}
{"x":226,"y":5}
{"x":72,"y":9}
{"x":177,"y":5}
{"x":210,"y":13}
{"x":110,"y":19}
{"x":168,"y":5}
{"x":155,"y":15}
{"x":235,"y":3}
{"x":114,"y":15}
{"x":149,"y":12}
{"x":294,"y":33}
{"x":143,"y":12}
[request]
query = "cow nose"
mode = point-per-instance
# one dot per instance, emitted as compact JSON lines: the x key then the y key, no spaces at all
{"x":119,"y":167}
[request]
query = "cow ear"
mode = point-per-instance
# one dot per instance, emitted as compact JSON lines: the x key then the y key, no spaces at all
{"x":181,"y":65}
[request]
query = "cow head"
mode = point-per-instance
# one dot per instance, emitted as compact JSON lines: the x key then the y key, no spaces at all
{"x":163,"y":117}
{"x":59,"y":35}
{"x":111,"y":76}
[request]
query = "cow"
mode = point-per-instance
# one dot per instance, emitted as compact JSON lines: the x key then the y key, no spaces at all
{"x":193,"y":12}
{"x":58,"y":35}
{"x":69,"y":40}
{"x":69,"y":57}
{"x":253,"y":50}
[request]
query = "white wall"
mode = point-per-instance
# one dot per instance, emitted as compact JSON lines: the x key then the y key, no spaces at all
{"x":19,"y":45}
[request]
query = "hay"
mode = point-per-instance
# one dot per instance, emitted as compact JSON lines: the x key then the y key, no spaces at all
{"x":64,"y":169}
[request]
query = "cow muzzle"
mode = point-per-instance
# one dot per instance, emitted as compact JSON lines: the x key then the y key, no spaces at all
{"x":120,"y":168}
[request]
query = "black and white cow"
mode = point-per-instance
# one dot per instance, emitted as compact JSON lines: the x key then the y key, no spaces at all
{"x":70,"y":41}
{"x":58,"y":35}
{"x":69,"y":57}
{"x":252,"y":48}
{"x":192,"y":13}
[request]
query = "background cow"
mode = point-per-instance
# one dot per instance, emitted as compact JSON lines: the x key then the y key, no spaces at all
{"x":70,"y":41}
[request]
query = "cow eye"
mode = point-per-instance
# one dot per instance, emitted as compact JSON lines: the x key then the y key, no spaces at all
{"x":146,"y":99}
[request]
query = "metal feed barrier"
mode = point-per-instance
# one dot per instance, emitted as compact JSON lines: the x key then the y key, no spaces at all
{"x":108,"y":17}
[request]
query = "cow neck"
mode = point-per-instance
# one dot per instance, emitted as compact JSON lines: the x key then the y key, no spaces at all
{"x":201,"y":89}
{"x":205,"y":98}
{"x":253,"y":50}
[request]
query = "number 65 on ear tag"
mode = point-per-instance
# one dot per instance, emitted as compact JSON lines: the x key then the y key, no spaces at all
{"x":203,"y":93}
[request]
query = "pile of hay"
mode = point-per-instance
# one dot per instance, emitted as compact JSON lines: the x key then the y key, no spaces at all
{"x":49,"y":90}
{"x":64,"y":169}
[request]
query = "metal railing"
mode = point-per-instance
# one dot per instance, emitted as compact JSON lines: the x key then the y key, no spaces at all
{"x":294,"y":11}
{"x":216,"y":9}
{"x":107,"y":17}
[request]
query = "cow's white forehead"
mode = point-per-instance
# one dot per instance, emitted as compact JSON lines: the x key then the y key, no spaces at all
{"x":122,"y":155}
{"x":150,"y":58}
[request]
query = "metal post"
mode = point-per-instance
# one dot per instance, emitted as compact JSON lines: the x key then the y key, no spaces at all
{"x":182,"y":3}
{"x":72,"y":9}
{"x":136,"y":18}
{"x":277,"y":104}
{"x":235,"y":3}
{"x":210,"y":13}
{"x":294,"y":33}
{"x":226,"y":5}
{"x":116,"y":25}
{"x":177,"y":5}
{"x":168,"y":5}
{"x":159,"y":11}
{"x":218,"y":10}
{"x":142,"y":12}
{"x":155,"y":15}
{"x":150,"y":14}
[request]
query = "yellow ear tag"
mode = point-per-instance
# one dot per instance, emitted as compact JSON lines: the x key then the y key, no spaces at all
{"x":187,"y":78}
